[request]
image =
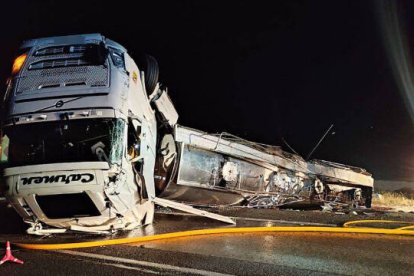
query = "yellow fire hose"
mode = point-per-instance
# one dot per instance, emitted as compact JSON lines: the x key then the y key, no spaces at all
{"x":345,"y":229}
{"x":370,"y":221}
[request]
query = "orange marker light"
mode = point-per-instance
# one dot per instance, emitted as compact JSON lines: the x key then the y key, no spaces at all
{"x":18,"y":63}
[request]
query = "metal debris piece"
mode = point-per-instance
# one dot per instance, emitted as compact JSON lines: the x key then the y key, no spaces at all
{"x":189,"y":209}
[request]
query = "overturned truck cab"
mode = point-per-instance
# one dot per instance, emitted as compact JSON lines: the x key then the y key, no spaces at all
{"x":78,"y":124}
{"x":90,"y":142}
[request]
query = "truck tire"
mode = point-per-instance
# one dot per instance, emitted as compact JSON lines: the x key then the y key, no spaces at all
{"x":150,"y":67}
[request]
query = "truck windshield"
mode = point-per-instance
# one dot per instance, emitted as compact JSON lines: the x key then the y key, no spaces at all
{"x":63,"y":141}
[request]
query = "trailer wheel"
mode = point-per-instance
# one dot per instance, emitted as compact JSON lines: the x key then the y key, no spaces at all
{"x":149,"y":65}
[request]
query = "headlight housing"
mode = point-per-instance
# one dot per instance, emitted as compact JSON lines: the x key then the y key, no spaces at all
{"x":18,"y":63}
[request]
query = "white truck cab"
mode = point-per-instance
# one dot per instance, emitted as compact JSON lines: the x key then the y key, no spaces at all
{"x":77,"y":115}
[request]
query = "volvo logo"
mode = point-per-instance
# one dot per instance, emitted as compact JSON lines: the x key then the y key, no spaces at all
{"x":59,"y":104}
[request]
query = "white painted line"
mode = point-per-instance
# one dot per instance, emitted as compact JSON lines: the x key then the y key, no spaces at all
{"x":141,"y":263}
{"x":131,"y":268}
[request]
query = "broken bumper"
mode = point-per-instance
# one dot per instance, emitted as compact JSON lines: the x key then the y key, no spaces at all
{"x":59,"y":194}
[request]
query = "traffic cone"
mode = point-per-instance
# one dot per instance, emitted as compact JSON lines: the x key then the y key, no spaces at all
{"x":8,"y":257}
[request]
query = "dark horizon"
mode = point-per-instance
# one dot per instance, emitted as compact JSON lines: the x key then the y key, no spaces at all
{"x":265,"y":72}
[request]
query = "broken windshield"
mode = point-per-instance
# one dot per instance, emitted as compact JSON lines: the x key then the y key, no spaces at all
{"x":63,"y":141}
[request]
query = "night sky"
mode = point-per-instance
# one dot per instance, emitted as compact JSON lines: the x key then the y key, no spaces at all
{"x":263,"y":70}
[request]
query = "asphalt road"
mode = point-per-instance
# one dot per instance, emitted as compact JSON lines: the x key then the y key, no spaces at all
{"x":259,"y":254}
{"x":241,"y":254}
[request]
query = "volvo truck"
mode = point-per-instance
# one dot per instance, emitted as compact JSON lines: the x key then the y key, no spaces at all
{"x":90,"y":142}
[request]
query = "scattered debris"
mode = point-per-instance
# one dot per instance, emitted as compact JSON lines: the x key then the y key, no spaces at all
{"x":369,"y":214}
{"x":339,"y":213}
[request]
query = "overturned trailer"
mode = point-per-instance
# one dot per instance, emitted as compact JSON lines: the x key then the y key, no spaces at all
{"x":242,"y":172}
{"x":90,"y":142}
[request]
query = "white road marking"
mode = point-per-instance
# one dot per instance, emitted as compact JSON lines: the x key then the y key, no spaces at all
{"x":123,"y":266}
{"x":141,"y":263}
{"x":132,"y":268}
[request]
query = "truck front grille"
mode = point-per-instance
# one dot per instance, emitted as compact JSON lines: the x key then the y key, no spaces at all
{"x":57,"y":50}
{"x":61,"y":66}
{"x":55,"y":63}
{"x":62,"y":76}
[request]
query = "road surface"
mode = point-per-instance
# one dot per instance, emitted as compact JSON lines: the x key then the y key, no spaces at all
{"x":233,"y":254}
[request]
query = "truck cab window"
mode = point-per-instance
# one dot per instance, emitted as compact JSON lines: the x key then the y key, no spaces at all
{"x":59,"y":142}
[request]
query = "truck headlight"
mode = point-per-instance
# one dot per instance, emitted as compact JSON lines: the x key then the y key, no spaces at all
{"x":18,"y":63}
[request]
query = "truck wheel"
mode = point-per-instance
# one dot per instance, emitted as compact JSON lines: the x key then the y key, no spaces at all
{"x":150,"y":67}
